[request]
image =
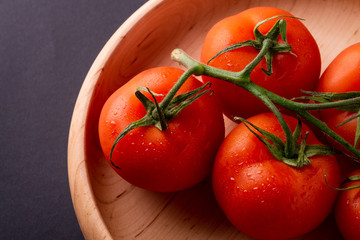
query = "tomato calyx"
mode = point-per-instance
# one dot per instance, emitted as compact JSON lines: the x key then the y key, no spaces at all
{"x":158,"y":114}
{"x":297,"y":155}
{"x":266,"y":43}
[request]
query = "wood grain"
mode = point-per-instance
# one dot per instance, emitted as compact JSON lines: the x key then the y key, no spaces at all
{"x":106,"y":206}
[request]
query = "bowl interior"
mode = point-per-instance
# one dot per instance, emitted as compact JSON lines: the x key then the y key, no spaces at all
{"x":146,"y":41}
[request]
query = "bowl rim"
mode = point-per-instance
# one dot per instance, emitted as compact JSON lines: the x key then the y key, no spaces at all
{"x":76,"y":137}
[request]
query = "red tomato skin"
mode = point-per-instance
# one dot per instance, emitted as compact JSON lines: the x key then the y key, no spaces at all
{"x":162,"y":161}
{"x":265,"y":198}
{"x":342,"y":75}
{"x":347,"y":211}
{"x":291,"y":73}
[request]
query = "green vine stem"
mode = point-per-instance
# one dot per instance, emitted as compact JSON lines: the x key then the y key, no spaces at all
{"x":270,"y":98}
{"x":158,"y":114}
{"x":352,"y":178}
{"x":268,"y":45}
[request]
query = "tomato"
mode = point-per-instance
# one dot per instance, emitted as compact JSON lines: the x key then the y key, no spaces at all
{"x":262,"y":196}
{"x":347,"y":210}
{"x":165,"y":161}
{"x":342,"y":75}
{"x":291,"y":72}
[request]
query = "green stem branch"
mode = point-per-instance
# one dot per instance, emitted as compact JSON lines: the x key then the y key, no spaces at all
{"x":245,"y":73}
{"x":241,"y":79}
{"x":166,"y":101}
{"x":261,"y":94}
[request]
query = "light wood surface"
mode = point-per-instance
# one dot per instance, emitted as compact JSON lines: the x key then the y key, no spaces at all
{"x":106,"y":206}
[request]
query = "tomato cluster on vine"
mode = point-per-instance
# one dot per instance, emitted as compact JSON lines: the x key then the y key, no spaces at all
{"x":271,"y":175}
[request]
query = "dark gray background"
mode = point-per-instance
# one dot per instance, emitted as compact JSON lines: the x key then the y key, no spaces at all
{"x":46,"y":50}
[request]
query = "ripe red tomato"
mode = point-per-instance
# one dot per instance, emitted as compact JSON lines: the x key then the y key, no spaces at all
{"x":291,"y":72}
{"x":342,"y":75}
{"x":347,"y":211}
{"x":262,"y":196}
{"x":163,"y":161}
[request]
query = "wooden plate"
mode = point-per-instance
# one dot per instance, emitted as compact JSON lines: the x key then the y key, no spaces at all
{"x":106,"y":206}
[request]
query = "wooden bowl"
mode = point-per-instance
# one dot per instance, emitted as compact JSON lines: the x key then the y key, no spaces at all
{"x":106,"y":206}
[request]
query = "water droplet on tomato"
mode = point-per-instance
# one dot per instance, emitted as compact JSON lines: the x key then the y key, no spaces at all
{"x":232,"y":179}
{"x":146,"y":150}
{"x":255,"y":188}
{"x":229,"y":63}
{"x":347,"y":202}
{"x":113,"y":122}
